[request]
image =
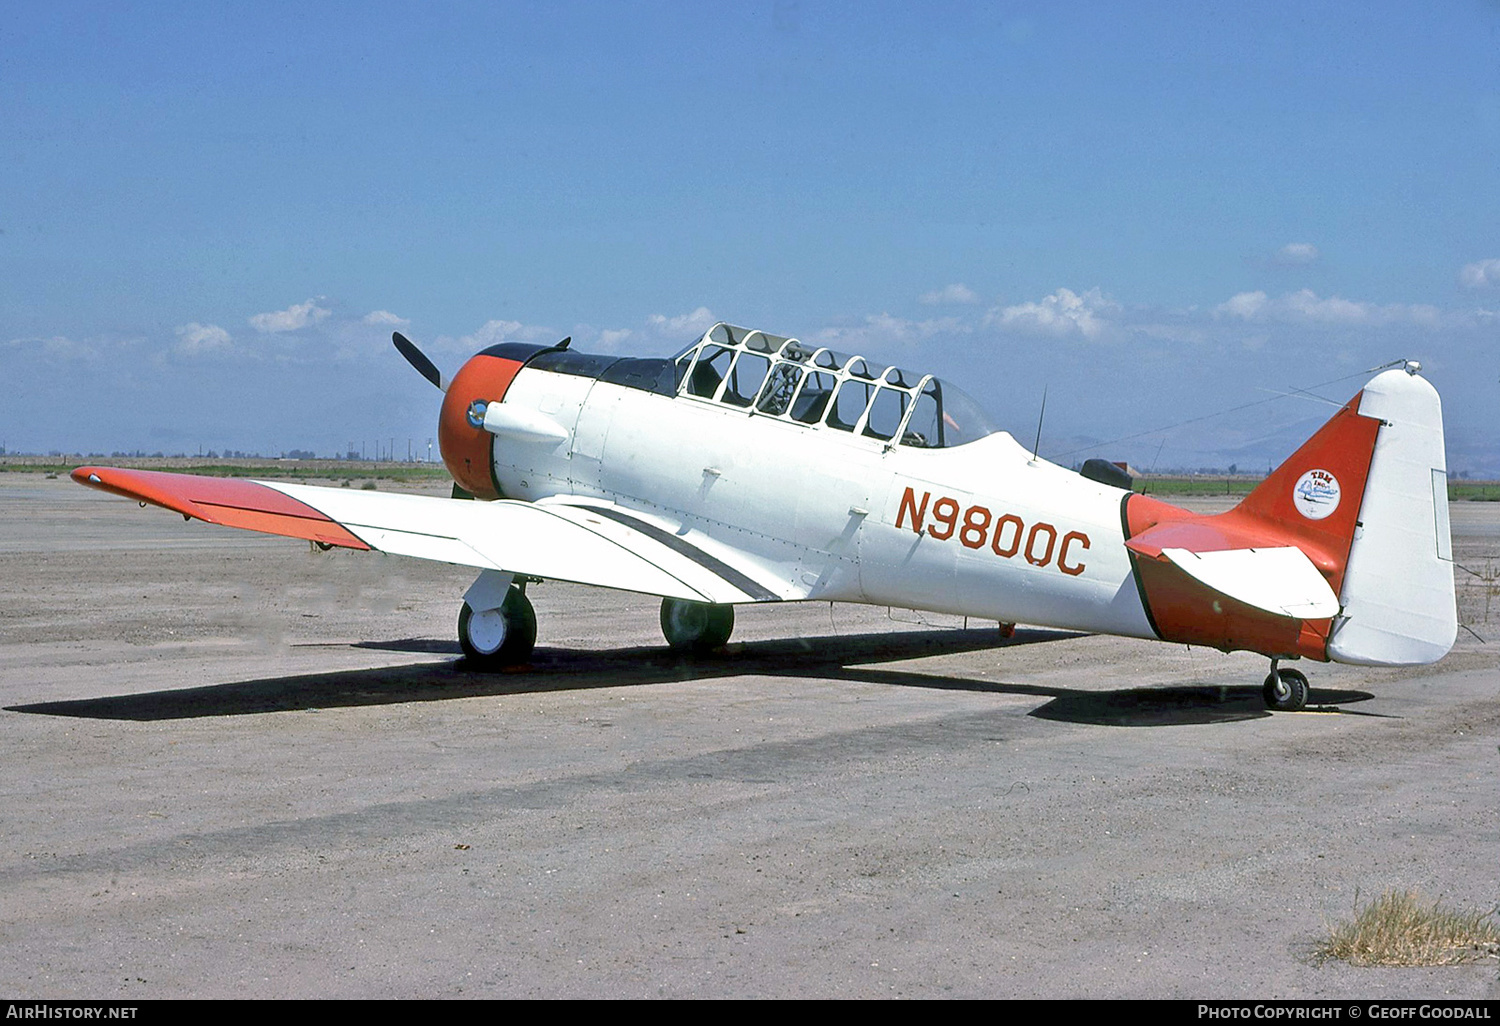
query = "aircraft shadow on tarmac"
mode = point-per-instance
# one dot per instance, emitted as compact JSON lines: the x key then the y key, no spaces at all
{"x":843,"y":657}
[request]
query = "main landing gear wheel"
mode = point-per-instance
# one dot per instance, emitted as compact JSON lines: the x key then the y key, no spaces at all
{"x":695,"y":626}
{"x":493,"y":639}
{"x":1286,"y":690}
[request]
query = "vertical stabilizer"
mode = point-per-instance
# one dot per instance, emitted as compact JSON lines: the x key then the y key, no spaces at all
{"x":1397,"y":595}
{"x":1314,"y":497}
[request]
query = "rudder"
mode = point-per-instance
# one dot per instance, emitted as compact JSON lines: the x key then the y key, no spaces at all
{"x":1397,"y":596}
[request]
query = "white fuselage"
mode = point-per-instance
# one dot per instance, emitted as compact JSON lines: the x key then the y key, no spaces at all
{"x":980,"y":529}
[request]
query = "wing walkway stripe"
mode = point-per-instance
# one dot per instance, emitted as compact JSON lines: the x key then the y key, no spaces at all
{"x":684,"y":548}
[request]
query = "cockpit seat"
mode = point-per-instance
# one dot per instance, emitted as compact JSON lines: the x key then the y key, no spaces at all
{"x":705,"y":380}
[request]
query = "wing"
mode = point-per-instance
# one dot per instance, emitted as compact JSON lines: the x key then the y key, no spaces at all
{"x":568,"y":539}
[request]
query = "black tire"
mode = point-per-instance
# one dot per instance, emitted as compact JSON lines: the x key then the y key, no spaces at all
{"x":695,"y":626}
{"x":1286,"y":691}
{"x":493,"y":642}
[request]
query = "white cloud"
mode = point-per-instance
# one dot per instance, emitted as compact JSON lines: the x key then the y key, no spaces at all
{"x":495,"y":331}
{"x":695,"y":323}
{"x":955,"y":293}
{"x":492,"y":332}
{"x":1297,"y":253}
{"x":386,"y":317}
{"x":1245,"y":305}
{"x":610,"y":338}
{"x":195,"y":338}
{"x":1481,"y":274}
{"x":656,"y":335}
{"x":57,"y":346}
{"x":1306,"y":307}
{"x":877,"y":332}
{"x":1063,"y":313}
{"x":290,"y":319}
{"x":1185,"y":334}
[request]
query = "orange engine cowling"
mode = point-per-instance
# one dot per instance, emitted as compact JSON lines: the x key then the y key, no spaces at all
{"x":467,"y":448}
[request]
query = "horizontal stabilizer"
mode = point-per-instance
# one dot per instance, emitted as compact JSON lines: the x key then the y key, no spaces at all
{"x":1282,"y":581}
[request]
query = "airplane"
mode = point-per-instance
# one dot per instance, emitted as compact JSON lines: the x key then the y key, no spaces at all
{"x":754,"y":467}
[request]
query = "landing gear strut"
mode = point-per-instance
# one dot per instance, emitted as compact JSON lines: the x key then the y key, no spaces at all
{"x":695,"y":626}
{"x":499,"y":635}
{"x":1285,"y":690}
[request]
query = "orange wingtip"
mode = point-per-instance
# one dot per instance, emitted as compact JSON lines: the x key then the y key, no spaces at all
{"x":222,"y":500}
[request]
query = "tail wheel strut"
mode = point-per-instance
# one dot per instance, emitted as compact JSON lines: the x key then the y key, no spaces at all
{"x":1285,"y":690}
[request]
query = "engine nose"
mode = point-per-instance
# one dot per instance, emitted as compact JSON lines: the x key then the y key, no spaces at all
{"x":467,"y":448}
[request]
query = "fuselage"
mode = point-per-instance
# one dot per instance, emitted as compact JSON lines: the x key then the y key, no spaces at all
{"x":802,"y":473}
{"x":981,"y":529}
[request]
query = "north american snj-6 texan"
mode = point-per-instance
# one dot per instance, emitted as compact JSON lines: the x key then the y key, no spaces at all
{"x":756,"y":468}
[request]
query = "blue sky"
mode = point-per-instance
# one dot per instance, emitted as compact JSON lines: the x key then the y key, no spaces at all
{"x":211,"y":217}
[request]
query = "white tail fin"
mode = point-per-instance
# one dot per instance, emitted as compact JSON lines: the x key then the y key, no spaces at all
{"x":1397,"y":595}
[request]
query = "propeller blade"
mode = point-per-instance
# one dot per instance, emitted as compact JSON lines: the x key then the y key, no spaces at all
{"x":418,"y":359}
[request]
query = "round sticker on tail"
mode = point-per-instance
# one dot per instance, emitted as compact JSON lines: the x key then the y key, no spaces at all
{"x":1316,"y":494}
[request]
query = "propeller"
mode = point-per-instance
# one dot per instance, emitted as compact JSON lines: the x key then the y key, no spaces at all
{"x":418,"y":359}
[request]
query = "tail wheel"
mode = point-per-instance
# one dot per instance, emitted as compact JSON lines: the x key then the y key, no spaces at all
{"x":1286,"y":690}
{"x":493,"y":639}
{"x":695,"y":626}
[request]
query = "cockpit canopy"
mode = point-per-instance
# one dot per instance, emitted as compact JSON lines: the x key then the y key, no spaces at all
{"x":807,"y":384}
{"x":771,"y":376}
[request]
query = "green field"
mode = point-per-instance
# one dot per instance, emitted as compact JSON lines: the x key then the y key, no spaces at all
{"x":297,"y":470}
{"x":1196,"y":485}
{"x":1472,"y":491}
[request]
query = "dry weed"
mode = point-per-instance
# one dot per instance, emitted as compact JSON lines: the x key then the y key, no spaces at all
{"x":1399,"y":928}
